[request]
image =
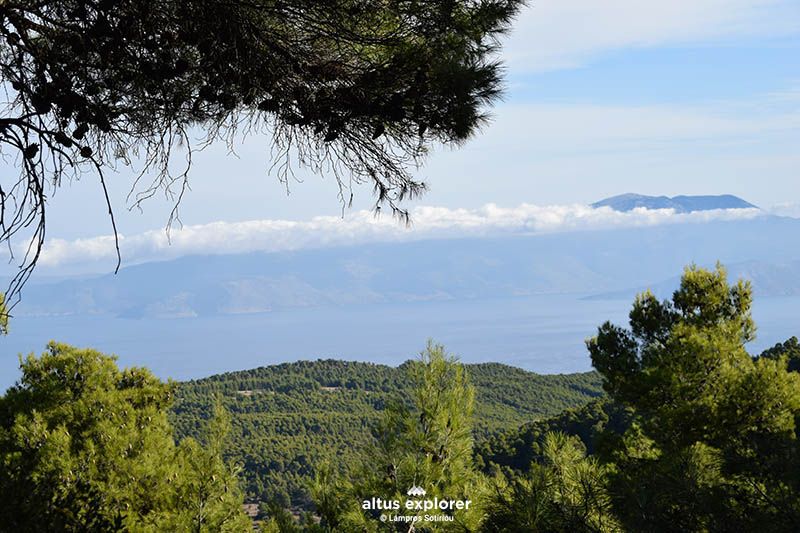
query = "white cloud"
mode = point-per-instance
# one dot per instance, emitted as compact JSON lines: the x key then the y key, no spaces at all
{"x":785,"y":209}
{"x":553,"y":34}
{"x":362,"y":227}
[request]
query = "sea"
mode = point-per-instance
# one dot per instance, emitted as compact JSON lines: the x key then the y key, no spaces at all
{"x":542,"y":333}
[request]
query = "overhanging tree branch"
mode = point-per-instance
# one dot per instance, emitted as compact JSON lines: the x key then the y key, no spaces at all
{"x":359,"y":89}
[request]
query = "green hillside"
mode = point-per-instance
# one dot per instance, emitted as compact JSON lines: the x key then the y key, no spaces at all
{"x":518,"y":449}
{"x":289,"y":418}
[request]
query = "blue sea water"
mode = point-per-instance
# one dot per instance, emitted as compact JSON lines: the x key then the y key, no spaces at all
{"x":541,"y":333}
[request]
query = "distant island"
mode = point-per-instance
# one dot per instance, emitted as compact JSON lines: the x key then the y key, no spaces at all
{"x":681,"y":204}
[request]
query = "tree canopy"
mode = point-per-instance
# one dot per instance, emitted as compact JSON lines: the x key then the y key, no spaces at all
{"x":85,"y":446}
{"x":563,"y":491}
{"x":425,"y":442}
{"x":713,"y":445}
{"x":359,"y":90}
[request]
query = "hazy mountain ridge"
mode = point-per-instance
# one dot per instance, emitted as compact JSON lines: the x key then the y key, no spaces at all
{"x":596,"y":262}
{"x":766,"y":279}
{"x":681,"y":204}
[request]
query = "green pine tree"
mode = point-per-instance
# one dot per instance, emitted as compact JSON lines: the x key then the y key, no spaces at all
{"x":565,"y":492}
{"x":427,"y":443}
{"x":714,"y":444}
{"x":85,"y":446}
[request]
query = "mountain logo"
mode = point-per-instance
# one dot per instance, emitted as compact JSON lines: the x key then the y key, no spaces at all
{"x":416,"y":490}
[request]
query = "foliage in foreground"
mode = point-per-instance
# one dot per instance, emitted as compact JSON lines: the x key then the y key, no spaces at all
{"x":713,"y":445}
{"x":85,"y":446}
{"x":427,"y":444}
{"x":563,"y":491}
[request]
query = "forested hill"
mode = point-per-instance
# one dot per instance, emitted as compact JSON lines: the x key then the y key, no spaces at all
{"x":290,"y":418}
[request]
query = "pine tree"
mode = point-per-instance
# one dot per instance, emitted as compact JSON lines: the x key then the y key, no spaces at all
{"x":85,"y":446}
{"x":714,"y":445}
{"x":427,"y":444}
{"x":566,"y":493}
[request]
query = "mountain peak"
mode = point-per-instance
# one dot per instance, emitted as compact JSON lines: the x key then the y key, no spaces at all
{"x":681,"y":204}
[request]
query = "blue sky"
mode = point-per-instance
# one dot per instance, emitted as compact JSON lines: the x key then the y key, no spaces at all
{"x":685,"y":97}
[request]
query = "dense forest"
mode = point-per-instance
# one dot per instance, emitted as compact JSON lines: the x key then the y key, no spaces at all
{"x":288,"y":418}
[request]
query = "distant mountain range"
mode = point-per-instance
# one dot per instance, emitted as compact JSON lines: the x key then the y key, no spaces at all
{"x":765,"y":249}
{"x":766,"y":279}
{"x":681,"y":204}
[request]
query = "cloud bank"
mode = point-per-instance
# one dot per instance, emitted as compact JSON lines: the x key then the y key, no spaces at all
{"x":363,"y":227}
